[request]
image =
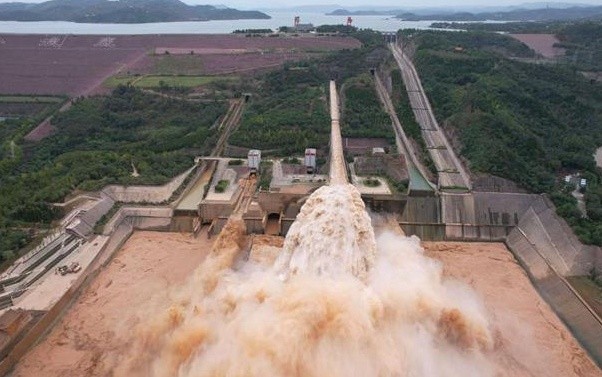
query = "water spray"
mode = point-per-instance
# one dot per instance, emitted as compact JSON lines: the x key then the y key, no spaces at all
{"x":349,"y":304}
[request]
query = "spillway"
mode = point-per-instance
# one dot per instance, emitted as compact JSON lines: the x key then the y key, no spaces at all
{"x":332,"y":234}
{"x":338,"y":171}
{"x":335,"y":302}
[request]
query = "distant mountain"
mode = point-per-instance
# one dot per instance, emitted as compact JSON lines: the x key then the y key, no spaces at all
{"x":321,"y":8}
{"x":121,"y":11}
{"x":542,"y":14}
{"x":419,"y":10}
{"x":558,"y":5}
{"x":345,"y":12}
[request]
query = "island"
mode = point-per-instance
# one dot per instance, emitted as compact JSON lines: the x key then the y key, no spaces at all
{"x":123,"y":11}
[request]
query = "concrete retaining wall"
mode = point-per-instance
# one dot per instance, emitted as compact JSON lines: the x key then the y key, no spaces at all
{"x":456,"y":232}
{"x":535,"y":215}
{"x":272,"y":202}
{"x":146,"y":194}
{"x":458,"y":208}
{"x":184,"y":224}
{"x":422,"y":210}
{"x":101,"y":208}
{"x":212,"y":210}
{"x":558,"y":293}
{"x":34,"y":334}
{"x":50,"y":317}
{"x":503,"y":208}
{"x":160,"y":214}
{"x":555,"y":241}
{"x":488,"y":208}
{"x":122,"y":225}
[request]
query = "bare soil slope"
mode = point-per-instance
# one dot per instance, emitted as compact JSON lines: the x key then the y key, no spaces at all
{"x":530,"y":339}
{"x":542,"y":44}
{"x":78,"y":65}
{"x":81,"y":344}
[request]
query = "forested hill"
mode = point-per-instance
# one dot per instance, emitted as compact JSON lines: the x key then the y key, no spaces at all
{"x":530,"y":123}
{"x":544,"y":14}
{"x":122,"y":11}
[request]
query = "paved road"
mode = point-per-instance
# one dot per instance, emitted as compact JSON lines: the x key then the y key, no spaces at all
{"x":452,"y":174}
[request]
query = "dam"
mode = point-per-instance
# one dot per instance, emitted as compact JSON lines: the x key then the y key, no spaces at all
{"x":278,"y":221}
{"x":342,"y":294}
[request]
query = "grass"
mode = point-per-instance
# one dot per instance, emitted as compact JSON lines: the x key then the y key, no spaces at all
{"x":152,"y":81}
{"x":30,"y":99}
{"x":180,"y":64}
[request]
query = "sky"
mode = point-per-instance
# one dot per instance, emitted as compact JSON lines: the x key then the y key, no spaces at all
{"x":264,"y":4}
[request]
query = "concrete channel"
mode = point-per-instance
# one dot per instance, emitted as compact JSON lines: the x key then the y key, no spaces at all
{"x":416,"y":170}
{"x":338,"y":167}
{"x":452,"y":174}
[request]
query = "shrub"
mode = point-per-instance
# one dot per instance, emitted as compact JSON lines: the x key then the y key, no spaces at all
{"x":222,"y":185}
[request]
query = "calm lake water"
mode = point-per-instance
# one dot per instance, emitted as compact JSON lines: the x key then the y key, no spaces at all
{"x":380,"y":23}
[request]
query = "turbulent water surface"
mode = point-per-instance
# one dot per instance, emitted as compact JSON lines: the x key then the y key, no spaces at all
{"x":337,"y":302}
{"x":350,"y":305}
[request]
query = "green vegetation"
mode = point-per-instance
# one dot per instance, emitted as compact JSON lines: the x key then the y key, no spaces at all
{"x":525,"y":122}
{"x":222,"y":185}
{"x":34,"y":107}
{"x":507,"y":27}
{"x":582,"y":40}
{"x":237,"y":162}
{"x":343,"y":29}
{"x":402,"y":106}
{"x":542,"y":14}
{"x":11,"y":241}
{"x":589,"y":230}
{"x":100,"y":225}
{"x":169,"y":65}
{"x":31,"y":99}
{"x":290,"y":112}
{"x":253,"y":31}
{"x":99,"y":138}
{"x":583,"y":43}
{"x":363,"y":114}
{"x":400,"y":187}
{"x":401,"y":101}
{"x":162,"y":81}
{"x":265,"y":176}
{"x":291,"y":161}
{"x":372,"y":182}
{"x":287,"y":122}
{"x":124,"y":11}
{"x":95,"y":144}
{"x":476,"y":45}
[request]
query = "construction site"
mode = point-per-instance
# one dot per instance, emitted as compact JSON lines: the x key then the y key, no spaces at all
{"x":71,"y":304}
